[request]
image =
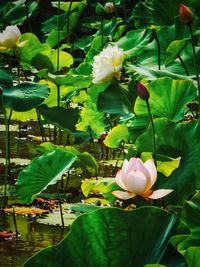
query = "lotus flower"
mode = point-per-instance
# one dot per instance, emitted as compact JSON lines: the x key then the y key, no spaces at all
{"x":107,"y":64}
{"x":109,"y":8}
{"x":185,"y":14}
{"x":137,"y":178}
{"x":9,"y":38}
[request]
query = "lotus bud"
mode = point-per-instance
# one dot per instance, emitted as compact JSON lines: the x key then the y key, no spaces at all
{"x":109,"y":8}
{"x":142,"y":91}
{"x":185,"y":14}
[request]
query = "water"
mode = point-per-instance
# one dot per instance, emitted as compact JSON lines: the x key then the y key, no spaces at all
{"x":34,"y":236}
{"x":14,"y":252}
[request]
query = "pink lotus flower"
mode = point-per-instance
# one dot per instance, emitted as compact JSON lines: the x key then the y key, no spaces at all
{"x":137,"y":178}
{"x":185,"y":14}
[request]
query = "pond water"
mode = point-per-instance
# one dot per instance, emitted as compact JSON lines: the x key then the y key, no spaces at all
{"x":33,"y":237}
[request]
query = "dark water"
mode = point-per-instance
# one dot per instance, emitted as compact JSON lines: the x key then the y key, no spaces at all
{"x":33,"y":236}
{"x":14,"y":252}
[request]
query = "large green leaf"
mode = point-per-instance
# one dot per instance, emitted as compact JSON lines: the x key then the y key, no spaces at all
{"x":168,"y":98}
{"x":90,"y":115}
{"x":84,"y":159}
{"x":124,"y":99}
{"x":48,"y":59}
{"x":25,"y":96}
{"x":42,"y":172}
{"x":134,"y":42}
{"x":61,"y":117}
{"x":159,"y":12}
{"x":118,"y":134}
{"x":176,"y":140}
{"x":111,"y":237}
{"x":191,"y":217}
{"x":192,"y":256}
{"x":32,"y":47}
{"x":5,"y":79}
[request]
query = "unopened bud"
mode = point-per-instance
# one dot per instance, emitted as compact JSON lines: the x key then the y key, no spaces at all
{"x":185,"y":14}
{"x":142,"y":91}
{"x":109,"y":8}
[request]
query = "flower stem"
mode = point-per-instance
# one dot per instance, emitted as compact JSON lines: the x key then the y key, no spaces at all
{"x":58,"y":36}
{"x":195,"y":64}
{"x":6,"y":122}
{"x":153,"y":132}
{"x":184,"y":66}
{"x":68,"y":20}
{"x":116,"y":13}
{"x":27,"y":16}
{"x":125,"y":15}
{"x":102,"y":32}
{"x":158,"y":47}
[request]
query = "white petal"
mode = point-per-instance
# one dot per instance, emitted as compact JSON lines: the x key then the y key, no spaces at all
{"x":149,"y":164}
{"x":135,"y":164}
{"x":160,"y":193}
{"x":123,"y":195}
{"x":120,"y":180}
{"x":124,"y":167}
{"x":136,"y":182}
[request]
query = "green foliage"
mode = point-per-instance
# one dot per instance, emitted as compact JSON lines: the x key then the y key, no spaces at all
{"x":176,"y":140}
{"x":103,"y":245}
{"x":117,"y":135}
{"x":84,"y":159}
{"x":61,"y":117}
{"x":168,"y":98}
{"x":25,"y":96}
{"x":42,"y":171}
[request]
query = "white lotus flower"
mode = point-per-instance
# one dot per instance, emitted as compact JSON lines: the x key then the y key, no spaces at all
{"x":9,"y":38}
{"x":137,"y":178}
{"x":107,"y":64}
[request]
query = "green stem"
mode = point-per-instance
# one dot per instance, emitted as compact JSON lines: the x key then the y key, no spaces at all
{"x":116,"y":13}
{"x":159,"y":51}
{"x":60,"y":207}
{"x":195,"y":64}
{"x":68,"y":20}
{"x":58,"y":45}
{"x":184,"y":66}
{"x":18,"y":64}
{"x":6,"y":122}
{"x":15,"y":223}
{"x":102,"y":32}
{"x":40,"y":125}
{"x":153,"y":132}
{"x":27,"y":16}
{"x":125,"y":15}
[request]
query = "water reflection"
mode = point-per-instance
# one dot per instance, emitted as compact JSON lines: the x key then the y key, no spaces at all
{"x":34,"y":236}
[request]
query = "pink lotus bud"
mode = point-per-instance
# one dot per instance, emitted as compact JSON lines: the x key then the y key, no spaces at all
{"x":142,"y":91}
{"x":185,"y":14}
{"x":109,"y":8}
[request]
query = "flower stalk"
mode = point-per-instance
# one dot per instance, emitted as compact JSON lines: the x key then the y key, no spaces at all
{"x":153,"y":132}
{"x":195,"y":64}
{"x":143,"y":93}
